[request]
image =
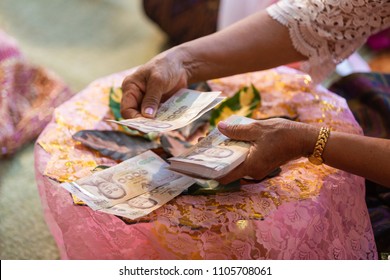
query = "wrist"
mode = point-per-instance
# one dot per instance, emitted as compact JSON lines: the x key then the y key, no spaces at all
{"x":180,"y":55}
{"x":316,"y":157}
{"x":191,"y":60}
{"x":300,"y":138}
{"x":309,"y":137}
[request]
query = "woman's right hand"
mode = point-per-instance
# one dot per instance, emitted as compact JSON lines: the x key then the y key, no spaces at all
{"x":152,"y":82}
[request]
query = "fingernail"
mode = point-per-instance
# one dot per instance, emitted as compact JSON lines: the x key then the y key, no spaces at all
{"x":222,"y":125}
{"x":149,"y":111}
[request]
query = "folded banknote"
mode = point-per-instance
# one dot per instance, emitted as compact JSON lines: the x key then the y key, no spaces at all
{"x":181,"y":109}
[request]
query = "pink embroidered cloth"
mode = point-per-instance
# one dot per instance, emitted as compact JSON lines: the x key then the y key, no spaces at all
{"x":307,"y":212}
{"x":28,"y":96}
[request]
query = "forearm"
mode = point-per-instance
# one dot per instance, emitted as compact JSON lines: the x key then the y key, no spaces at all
{"x":361,"y":155}
{"x":255,"y":43}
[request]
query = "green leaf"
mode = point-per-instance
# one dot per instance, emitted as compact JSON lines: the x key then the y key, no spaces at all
{"x":243,"y":103}
{"x":115,"y":102}
{"x":100,"y":168}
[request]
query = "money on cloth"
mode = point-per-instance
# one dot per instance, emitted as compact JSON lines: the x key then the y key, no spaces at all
{"x":144,"y":182}
{"x":126,"y":180}
{"x":214,"y":156}
{"x":144,"y":204}
{"x":182,"y":108}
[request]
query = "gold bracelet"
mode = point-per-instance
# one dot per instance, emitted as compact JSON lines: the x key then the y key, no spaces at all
{"x":316,"y":156}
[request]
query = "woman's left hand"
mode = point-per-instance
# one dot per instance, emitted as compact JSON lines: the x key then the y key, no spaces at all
{"x":274,"y":143}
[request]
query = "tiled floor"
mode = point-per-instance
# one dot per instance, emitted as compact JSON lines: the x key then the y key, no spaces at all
{"x":80,"y":40}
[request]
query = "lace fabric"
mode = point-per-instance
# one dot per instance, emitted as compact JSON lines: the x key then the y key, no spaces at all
{"x":328,"y":31}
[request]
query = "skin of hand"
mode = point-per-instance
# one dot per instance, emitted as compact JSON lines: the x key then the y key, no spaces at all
{"x":277,"y":141}
{"x":151,"y":83}
{"x":255,"y":43}
{"x":274,"y":143}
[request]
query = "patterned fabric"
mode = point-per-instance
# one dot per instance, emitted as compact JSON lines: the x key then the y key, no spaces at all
{"x":368,"y":96}
{"x":183,"y":20}
{"x":328,"y":31}
{"x":28,"y":97}
{"x":380,"y":41}
{"x":307,"y":212}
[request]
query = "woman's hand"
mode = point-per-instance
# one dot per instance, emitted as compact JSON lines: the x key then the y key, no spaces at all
{"x":156,"y":80}
{"x":274,"y":143}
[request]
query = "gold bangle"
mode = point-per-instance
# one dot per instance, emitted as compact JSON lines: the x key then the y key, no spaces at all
{"x":316,"y":156}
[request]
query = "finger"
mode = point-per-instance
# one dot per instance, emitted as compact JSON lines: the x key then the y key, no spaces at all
{"x":244,"y":132}
{"x":154,"y":90}
{"x":247,"y":168}
{"x":160,"y":87}
{"x":234,"y":175}
{"x":242,"y":172}
{"x":132,"y":94}
{"x":129,"y":105}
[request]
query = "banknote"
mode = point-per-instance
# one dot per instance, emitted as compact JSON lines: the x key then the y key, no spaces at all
{"x":214,"y":156}
{"x":146,"y":203}
{"x":117,"y":184}
{"x":178,"y":111}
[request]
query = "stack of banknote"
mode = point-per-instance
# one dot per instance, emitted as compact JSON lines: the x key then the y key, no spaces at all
{"x":131,"y":189}
{"x":181,"y":109}
{"x":214,"y":156}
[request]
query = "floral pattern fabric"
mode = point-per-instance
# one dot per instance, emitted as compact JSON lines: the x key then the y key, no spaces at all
{"x":307,"y":212}
{"x":28,"y":96}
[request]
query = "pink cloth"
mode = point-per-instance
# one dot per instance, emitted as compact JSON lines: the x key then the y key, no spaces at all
{"x":308,"y":212}
{"x":28,"y":96}
{"x":380,"y":41}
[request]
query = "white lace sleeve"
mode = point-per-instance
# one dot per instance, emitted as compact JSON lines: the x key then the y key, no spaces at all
{"x":328,"y":31}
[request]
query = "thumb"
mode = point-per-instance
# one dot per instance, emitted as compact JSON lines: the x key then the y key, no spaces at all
{"x":244,"y":132}
{"x":151,"y":100}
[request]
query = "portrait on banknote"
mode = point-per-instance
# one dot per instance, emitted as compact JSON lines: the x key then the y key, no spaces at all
{"x":105,"y":187}
{"x":142,"y":202}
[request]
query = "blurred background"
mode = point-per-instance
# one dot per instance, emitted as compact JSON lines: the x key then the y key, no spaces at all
{"x":79,"y":40}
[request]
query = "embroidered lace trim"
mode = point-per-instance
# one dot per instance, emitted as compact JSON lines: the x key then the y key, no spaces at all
{"x":328,"y":31}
